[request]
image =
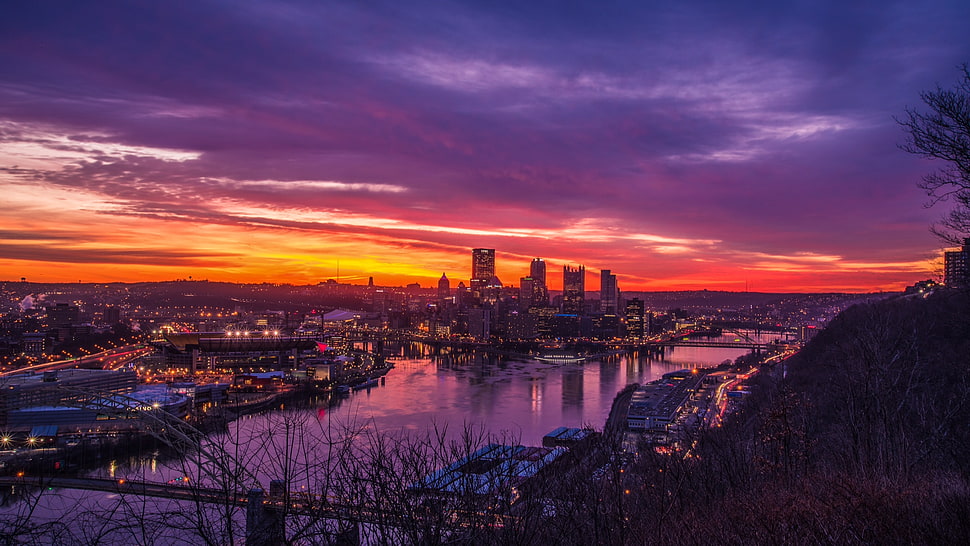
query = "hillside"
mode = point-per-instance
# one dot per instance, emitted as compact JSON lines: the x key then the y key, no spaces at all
{"x":861,"y":438}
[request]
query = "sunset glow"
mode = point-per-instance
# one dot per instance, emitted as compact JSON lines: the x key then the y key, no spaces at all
{"x":682,"y":148}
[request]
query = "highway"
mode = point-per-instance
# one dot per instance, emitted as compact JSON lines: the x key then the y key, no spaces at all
{"x":109,"y":359}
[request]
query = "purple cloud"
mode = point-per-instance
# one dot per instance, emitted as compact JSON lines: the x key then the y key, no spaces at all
{"x":766,"y":128}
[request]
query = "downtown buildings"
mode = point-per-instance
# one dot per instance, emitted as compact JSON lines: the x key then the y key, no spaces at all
{"x":489,"y":309}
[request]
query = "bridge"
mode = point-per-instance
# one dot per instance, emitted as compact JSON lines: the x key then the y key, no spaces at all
{"x":700,"y":336}
{"x":122,"y":486}
{"x":755,"y":346}
{"x":265,"y":514}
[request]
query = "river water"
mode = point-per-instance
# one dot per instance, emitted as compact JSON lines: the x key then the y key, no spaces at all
{"x":512,"y":398}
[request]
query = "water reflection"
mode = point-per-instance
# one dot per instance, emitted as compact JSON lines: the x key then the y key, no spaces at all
{"x":536,"y":394}
{"x":572,"y":386}
{"x":459,"y":386}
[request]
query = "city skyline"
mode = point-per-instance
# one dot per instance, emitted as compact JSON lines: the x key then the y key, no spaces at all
{"x":691,"y":146}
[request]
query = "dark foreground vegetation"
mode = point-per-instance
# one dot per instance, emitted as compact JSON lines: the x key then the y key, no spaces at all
{"x":859,"y":439}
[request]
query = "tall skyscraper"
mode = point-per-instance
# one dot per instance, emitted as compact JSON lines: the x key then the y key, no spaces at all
{"x":483,"y":267}
{"x":573,"y":289}
{"x":956,"y":273}
{"x":480,"y":323}
{"x":634,"y":319}
{"x":609,"y":292}
{"x":540,"y":290}
{"x":444,"y":288}
{"x":526,"y":292}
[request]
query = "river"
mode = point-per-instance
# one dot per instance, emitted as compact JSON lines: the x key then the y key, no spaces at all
{"x":510,"y":400}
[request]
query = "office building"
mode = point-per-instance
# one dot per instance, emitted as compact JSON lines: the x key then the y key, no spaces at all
{"x":461,"y":295}
{"x":526,"y":292}
{"x":537,"y":271}
{"x":956,"y":272}
{"x":63,"y":315}
{"x":480,"y":323}
{"x":635,"y":319}
{"x":532,"y":293}
{"x":573,"y":289}
{"x":111,"y":315}
{"x":543,"y":319}
{"x":444,"y":288}
{"x":609,"y":293}
{"x":483,"y":268}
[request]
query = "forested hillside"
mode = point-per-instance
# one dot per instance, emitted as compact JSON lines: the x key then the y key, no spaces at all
{"x":863,"y":437}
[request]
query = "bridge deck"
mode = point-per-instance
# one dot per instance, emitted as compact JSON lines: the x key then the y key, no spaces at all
{"x":296,"y":505}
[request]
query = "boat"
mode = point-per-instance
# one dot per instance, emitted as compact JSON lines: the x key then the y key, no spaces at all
{"x":366,"y":384}
{"x":560,"y":357}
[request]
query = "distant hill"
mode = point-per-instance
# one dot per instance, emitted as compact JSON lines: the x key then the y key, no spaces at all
{"x":717,"y":299}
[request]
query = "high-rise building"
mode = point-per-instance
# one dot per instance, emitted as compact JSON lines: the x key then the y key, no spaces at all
{"x":111,"y":315}
{"x":63,"y":315}
{"x":609,"y":293}
{"x":480,"y":323}
{"x":573,"y":289}
{"x":956,"y":272}
{"x":483,"y":267}
{"x":444,"y":288}
{"x":538,"y":273}
{"x":532,"y":293}
{"x":634,"y":319}
{"x":526,"y":292}
{"x":521,"y":325}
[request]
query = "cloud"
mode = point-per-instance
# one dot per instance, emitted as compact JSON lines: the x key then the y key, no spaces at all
{"x":652,"y":136}
{"x":108,"y":256}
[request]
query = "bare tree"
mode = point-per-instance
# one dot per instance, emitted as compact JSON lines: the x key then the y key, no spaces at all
{"x":943,"y":133}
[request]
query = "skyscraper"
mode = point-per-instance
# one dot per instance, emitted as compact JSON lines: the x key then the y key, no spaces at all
{"x":956,"y":273}
{"x":538,"y":273}
{"x":526,"y":292}
{"x":573,"y":289}
{"x":444,"y":288}
{"x":483,"y":267}
{"x":634,"y":319}
{"x":609,"y":292}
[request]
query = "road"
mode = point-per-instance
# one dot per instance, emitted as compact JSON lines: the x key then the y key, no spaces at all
{"x":616,"y":421}
{"x":110,"y":359}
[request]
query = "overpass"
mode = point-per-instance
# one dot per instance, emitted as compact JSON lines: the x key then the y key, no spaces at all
{"x":112,"y":359}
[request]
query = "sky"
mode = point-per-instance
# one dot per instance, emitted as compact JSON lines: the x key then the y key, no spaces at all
{"x":683,"y":145}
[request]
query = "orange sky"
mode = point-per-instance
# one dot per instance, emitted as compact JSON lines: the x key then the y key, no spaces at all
{"x":69,"y":236}
{"x":682,"y":146}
